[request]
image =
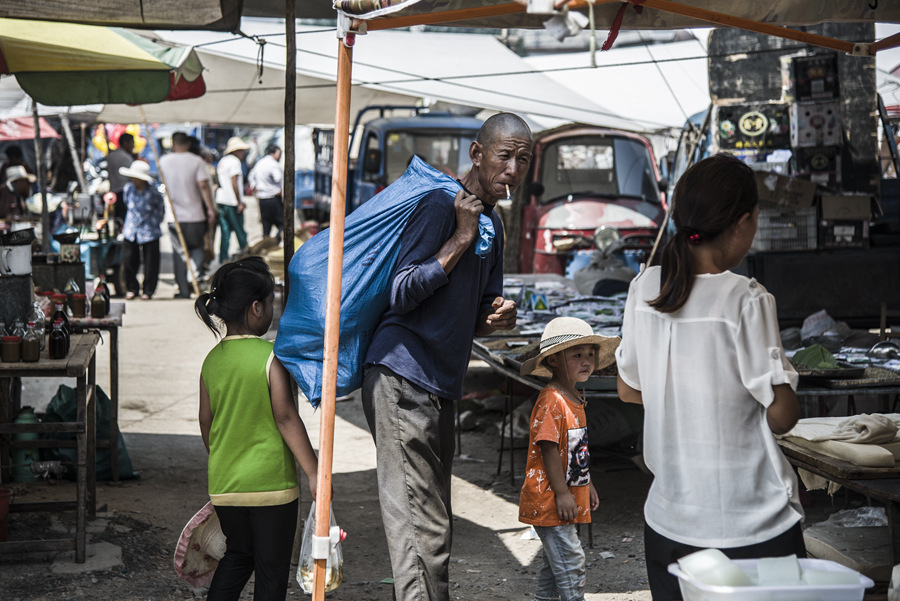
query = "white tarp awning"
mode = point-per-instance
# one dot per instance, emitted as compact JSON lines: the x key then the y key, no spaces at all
{"x":469,"y":69}
{"x":235,"y":95}
{"x":657,"y":86}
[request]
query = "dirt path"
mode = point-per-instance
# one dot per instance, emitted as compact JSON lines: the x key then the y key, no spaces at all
{"x":139,"y":521}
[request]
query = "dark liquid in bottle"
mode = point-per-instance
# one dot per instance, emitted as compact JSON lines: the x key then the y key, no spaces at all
{"x":59,"y":344}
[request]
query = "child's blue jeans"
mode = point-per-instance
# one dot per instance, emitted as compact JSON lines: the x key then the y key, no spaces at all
{"x":562,"y":575}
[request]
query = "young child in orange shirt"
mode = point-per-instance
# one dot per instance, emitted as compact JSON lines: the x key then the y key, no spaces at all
{"x":557,"y":493}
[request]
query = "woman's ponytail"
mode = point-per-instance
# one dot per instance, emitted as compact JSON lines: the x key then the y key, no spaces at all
{"x":676,"y":275}
{"x":710,"y":197}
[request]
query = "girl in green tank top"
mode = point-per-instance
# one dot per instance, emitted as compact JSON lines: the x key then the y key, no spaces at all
{"x":253,"y":433}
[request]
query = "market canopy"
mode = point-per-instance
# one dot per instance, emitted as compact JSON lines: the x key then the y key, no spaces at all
{"x":221,"y":15}
{"x":66,"y":64}
{"x":237,"y":93}
{"x":22,"y":128}
{"x":474,"y":70}
{"x":658,"y":86}
{"x":610,"y":14}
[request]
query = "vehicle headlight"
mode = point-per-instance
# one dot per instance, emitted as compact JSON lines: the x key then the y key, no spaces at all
{"x":605,"y":236}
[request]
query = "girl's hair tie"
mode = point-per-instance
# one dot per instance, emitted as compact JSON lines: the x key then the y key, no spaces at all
{"x":694,"y":239}
{"x":212,"y":293}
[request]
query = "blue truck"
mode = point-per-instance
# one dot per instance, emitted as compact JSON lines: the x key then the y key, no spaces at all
{"x":384,"y":146}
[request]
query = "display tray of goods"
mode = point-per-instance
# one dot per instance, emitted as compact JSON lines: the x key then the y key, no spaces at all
{"x":817,"y":362}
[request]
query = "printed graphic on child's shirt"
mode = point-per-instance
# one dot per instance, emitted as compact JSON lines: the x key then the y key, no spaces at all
{"x":579,"y":473}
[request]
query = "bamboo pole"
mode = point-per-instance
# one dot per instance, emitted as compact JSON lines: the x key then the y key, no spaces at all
{"x":287,"y":196}
{"x":39,"y":170}
{"x":70,"y":139}
{"x":162,"y":178}
{"x":290,"y":120}
{"x":333,"y":303}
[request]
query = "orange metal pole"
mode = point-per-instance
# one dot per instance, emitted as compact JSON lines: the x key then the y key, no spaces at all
{"x":888,"y":42}
{"x":333,"y":303}
{"x":741,"y":23}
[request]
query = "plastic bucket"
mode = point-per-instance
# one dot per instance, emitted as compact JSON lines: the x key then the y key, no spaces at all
{"x":5,"y":499}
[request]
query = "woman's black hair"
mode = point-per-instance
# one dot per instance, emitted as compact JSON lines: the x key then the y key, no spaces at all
{"x":708,"y":199}
{"x":234,"y":288}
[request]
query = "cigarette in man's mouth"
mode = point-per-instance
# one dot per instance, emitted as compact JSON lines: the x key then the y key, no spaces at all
{"x":507,"y":191}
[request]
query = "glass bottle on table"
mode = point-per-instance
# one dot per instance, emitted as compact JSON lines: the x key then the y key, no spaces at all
{"x":58,"y":341}
{"x":98,"y":306}
{"x":31,"y":346}
{"x":71,"y":289}
{"x":78,"y":305}
{"x":38,"y":317}
{"x":60,"y":314}
{"x":18,"y":329}
{"x":103,"y":288}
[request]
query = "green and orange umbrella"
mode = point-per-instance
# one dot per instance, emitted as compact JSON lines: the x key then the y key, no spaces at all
{"x":66,"y":64}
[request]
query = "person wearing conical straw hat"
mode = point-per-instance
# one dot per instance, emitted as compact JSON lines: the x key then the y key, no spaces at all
{"x":557,"y":493}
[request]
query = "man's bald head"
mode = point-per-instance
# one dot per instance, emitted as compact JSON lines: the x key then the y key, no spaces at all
{"x":502,"y":125}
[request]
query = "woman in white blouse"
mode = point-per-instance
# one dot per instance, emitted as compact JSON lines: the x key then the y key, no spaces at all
{"x":701,"y":351}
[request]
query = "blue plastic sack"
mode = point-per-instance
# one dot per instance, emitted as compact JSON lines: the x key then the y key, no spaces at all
{"x":371,"y":245}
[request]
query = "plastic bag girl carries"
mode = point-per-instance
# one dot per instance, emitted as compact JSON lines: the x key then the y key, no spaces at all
{"x":334,"y":564}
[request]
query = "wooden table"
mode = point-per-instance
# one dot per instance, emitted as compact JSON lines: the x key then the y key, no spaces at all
{"x":80,"y":363}
{"x":882,"y":484}
{"x":813,"y":390}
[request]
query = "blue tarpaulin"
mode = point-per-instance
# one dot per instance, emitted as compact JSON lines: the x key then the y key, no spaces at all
{"x":371,"y":245}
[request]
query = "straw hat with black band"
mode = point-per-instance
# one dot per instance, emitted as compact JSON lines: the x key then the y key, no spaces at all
{"x":565,"y":332}
{"x":138,"y":170}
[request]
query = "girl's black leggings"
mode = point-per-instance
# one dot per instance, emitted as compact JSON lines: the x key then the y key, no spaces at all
{"x":259,"y":539}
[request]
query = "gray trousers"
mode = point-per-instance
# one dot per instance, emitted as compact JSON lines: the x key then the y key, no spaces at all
{"x":413,"y":432}
{"x":193,"y":232}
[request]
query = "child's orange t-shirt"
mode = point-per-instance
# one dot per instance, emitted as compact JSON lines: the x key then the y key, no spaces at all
{"x":558,"y":420}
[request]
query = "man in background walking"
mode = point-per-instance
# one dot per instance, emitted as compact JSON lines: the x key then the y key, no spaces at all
{"x":189,"y":189}
{"x":266,"y":179}
{"x":120,"y":158}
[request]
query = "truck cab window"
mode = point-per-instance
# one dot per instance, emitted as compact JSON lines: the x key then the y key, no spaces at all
{"x":370,"y":145}
{"x":447,"y":152}
{"x":634,"y":170}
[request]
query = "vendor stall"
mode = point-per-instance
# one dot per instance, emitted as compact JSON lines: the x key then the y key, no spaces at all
{"x":542,"y":297}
